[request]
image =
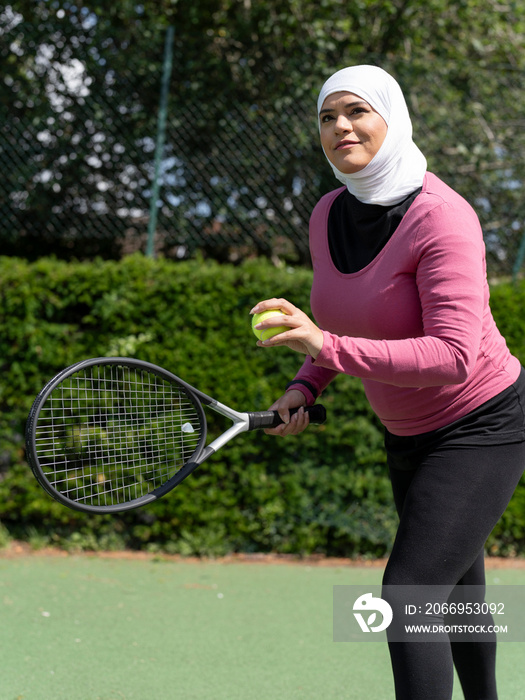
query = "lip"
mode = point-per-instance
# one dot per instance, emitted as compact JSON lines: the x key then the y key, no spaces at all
{"x":344,"y":144}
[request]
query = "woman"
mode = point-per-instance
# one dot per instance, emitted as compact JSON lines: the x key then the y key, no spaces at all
{"x":401,"y":298}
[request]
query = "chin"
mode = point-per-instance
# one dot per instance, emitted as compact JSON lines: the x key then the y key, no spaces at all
{"x":351,"y":169}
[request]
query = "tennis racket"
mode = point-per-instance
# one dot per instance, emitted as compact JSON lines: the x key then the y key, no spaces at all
{"x":110,"y":434}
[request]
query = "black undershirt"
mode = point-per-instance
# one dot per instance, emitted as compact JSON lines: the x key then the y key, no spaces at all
{"x":357,"y":232}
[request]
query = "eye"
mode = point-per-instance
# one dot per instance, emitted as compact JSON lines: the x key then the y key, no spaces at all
{"x":326,"y":118}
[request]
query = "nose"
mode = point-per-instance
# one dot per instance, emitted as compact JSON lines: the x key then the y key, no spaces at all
{"x":343,"y":124}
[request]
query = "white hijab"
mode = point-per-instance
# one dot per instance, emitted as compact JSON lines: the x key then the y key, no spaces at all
{"x":398,"y":168}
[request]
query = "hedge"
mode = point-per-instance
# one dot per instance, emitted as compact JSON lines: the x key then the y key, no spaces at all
{"x":326,"y":491}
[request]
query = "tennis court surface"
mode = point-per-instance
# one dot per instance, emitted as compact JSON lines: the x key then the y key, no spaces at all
{"x":114,"y":628}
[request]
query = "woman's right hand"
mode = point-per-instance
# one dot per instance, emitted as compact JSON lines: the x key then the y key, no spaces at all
{"x":292,"y":425}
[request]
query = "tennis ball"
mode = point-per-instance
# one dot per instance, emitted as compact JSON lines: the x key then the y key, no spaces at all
{"x":267,"y":332}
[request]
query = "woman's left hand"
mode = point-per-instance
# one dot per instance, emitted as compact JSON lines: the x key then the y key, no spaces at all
{"x":304,"y":336}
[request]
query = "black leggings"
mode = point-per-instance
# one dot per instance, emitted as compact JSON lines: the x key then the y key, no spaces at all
{"x":448,"y":506}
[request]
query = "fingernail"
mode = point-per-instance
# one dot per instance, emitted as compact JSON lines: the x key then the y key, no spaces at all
{"x":254,"y":310}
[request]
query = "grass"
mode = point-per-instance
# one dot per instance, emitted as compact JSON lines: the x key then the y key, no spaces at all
{"x":98,"y":628}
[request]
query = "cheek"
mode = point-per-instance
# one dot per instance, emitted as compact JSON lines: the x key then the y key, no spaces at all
{"x":380,"y":133}
{"x":326,"y":144}
{"x":324,"y":140}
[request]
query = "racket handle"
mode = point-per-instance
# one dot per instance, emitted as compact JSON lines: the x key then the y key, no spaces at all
{"x":271,"y":419}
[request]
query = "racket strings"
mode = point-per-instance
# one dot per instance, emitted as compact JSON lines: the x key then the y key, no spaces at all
{"x":110,"y":434}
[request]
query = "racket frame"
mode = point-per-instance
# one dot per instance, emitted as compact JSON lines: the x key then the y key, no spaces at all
{"x":241,"y":422}
{"x":197,"y":397}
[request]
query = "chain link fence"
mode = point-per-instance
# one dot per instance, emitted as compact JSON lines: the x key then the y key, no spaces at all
{"x":237,"y":176}
{"x":78,"y":158}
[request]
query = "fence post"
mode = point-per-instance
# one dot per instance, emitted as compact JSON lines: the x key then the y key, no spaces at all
{"x":519,"y":260}
{"x":159,"y":147}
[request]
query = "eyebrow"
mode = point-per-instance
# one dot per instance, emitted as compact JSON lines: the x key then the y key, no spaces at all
{"x":350,"y":104}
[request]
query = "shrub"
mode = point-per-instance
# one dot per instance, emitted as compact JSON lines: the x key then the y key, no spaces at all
{"x":325,"y":492}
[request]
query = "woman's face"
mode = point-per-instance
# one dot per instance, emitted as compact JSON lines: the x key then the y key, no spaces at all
{"x":352,"y":132}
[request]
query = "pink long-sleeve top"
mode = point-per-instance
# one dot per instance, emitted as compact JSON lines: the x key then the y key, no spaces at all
{"x":415,"y":324}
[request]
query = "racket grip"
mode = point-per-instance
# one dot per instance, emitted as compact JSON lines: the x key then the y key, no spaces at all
{"x":271,"y":419}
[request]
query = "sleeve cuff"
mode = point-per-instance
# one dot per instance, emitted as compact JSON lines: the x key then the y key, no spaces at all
{"x":309,"y":391}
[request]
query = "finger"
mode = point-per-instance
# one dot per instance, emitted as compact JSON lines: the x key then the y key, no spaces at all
{"x":282,"y":338}
{"x":302,"y":419}
{"x":298,"y":423}
{"x":284,"y":414}
{"x":280,"y":430}
{"x":275,"y":322}
{"x":274,"y":341}
{"x":274,"y":303}
{"x":288,"y":428}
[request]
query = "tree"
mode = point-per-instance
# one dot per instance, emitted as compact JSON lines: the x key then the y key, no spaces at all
{"x":242,"y":165}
